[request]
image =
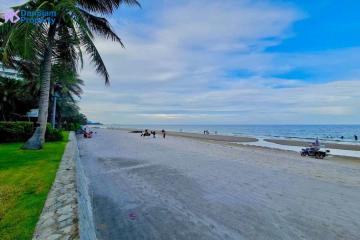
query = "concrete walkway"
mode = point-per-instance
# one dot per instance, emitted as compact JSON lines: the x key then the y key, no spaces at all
{"x":180,"y":188}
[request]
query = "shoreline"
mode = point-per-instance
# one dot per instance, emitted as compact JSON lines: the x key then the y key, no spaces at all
{"x":222,"y":138}
{"x":250,"y":139}
{"x":338,"y":151}
{"x":298,"y":133}
{"x":255,"y":145}
{"x":297,"y":143}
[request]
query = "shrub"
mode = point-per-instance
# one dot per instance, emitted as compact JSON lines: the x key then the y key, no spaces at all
{"x":71,"y":126}
{"x":22,"y":131}
{"x":15,"y":131}
{"x":53,"y":134}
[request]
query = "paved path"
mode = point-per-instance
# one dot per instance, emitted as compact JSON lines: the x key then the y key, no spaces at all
{"x":179,"y":188}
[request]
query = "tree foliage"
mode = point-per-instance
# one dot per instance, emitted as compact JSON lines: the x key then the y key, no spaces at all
{"x":50,"y":54}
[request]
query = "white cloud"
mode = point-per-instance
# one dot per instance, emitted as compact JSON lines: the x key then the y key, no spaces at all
{"x":175,"y":65}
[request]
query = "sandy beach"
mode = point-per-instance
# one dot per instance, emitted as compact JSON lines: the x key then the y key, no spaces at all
{"x":213,"y":137}
{"x":183,"y":188}
{"x":249,"y":139}
{"x":351,"y":147}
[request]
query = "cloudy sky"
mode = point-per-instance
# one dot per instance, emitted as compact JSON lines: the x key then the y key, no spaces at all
{"x":230,"y":62}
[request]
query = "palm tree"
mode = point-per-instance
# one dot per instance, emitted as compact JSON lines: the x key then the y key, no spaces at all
{"x":73,"y":30}
{"x":68,"y":80}
{"x":66,"y":86}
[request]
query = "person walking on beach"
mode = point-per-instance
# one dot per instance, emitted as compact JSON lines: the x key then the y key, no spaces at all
{"x":153,"y":133}
{"x":163,"y":133}
{"x":355,"y":137}
{"x":145,"y":133}
{"x":315,"y":145}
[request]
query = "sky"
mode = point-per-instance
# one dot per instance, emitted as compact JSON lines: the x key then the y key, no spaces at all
{"x":229,"y":62}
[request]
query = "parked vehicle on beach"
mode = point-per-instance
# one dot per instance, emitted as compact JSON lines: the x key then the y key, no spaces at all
{"x":314,"y":152}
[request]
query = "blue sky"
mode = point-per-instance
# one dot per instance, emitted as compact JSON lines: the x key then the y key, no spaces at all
{"x":230,"y":62}
{"x":328,"y":25}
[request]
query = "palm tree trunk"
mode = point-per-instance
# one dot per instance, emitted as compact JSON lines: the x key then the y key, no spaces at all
{"x":38,"y":138}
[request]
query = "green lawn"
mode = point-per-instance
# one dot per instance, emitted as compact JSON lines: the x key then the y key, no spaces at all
{"x":25,"y":179}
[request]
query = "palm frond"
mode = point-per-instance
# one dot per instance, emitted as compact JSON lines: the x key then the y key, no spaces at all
{"x":95,"y":56}
{"x":101,"y":26}
{"x":71,"y":13}
{"x":65,"y":50}
{"x":105,"y":6}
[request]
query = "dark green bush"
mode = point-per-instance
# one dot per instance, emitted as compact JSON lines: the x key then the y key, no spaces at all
{"x":22,"y":131}
{"x":53,"y":134}
{"x":71,"y":126}
{"x":15,"y":131}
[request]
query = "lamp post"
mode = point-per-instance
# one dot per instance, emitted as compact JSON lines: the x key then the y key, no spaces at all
{"x":57,"y":88}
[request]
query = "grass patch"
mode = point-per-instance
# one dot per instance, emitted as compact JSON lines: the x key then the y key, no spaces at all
{"x":25,"y":180}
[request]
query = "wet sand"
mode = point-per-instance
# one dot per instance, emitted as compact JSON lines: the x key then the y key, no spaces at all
{"x":213,"y":137}
{"x":306,"y":144}
{"x":239,"y":139}
{"x":222,"y":138}
{"x":183,"y":188}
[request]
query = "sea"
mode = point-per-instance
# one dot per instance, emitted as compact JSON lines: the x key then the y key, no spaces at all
{"x":330,"y":133}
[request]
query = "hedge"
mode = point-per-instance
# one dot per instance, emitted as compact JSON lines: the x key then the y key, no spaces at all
{"x":22,"y":131}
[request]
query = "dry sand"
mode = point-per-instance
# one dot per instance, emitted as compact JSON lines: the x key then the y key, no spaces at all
{"x":183,"y":188}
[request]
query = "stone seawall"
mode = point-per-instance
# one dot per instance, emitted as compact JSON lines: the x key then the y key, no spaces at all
{"x":84,"y":196}
{"x":59,"y":217}
{"x":67,"y":213}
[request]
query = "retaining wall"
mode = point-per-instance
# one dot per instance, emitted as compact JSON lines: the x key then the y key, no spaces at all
{"x":67,"y":213}
{"x":84,"y":196}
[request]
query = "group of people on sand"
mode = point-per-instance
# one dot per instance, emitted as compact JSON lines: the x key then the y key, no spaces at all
{"x":316,"y":145}
{"x":146,"y":133}
{"x":342,"y":137}
{"x":206,"y":132}
{"x":87,"y":132}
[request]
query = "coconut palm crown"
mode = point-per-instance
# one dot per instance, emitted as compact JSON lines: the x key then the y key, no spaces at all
{"x":73,"y":31}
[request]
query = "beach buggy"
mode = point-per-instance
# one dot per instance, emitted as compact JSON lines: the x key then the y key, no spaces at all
{"x":318,"y":154}
{"x":314,"y":151}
